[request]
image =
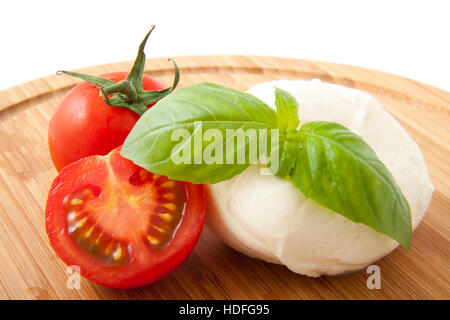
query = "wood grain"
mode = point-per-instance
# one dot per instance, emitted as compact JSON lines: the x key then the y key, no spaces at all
{"x":29,"y":269}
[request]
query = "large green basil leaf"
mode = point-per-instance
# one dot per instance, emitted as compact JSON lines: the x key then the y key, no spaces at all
{"x":151,"y":143}
{"x":337,"y":169}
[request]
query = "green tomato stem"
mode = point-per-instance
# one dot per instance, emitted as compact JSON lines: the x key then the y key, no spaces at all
{"x":129,"y":93}
{"x":124,"y":87}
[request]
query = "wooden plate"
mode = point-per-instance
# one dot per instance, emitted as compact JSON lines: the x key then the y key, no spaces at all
{"x":29,"y":269}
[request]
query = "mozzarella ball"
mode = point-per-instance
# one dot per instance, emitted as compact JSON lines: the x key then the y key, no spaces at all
{"x":266,"y":217}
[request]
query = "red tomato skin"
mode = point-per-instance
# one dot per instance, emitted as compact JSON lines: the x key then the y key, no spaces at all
{"x":135,"y":274}
{"x":84,"y":125}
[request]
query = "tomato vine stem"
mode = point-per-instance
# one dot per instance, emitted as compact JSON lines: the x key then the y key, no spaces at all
{"x":129,"y":93}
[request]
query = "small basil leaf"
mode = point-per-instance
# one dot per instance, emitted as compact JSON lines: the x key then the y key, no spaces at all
{"x":287,"y":156}
{"x":287,"y":109}
{"x":287,"y":121}
{"x":337,"y":169}
{"x":168,"y":140}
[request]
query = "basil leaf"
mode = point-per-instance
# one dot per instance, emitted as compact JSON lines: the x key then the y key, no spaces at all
{"x":337,"y":169}
{"x":287,"y":109}
{"x":288,"y":153}
{"x":287,"y":121}
{"x":154,"y":143}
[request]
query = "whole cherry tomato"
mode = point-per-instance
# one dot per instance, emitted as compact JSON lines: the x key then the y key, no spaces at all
{"x":84,"y":125}
{"x":96,"y":116}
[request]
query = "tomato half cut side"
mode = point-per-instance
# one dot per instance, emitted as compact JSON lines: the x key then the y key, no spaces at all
{"x":122,"y":225}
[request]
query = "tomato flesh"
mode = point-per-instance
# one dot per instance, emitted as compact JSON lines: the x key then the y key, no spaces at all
{"x":84,"y":125}
{"x":122,"y":225}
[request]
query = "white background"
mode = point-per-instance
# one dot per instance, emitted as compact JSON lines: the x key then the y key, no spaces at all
{"x":409,"y":38}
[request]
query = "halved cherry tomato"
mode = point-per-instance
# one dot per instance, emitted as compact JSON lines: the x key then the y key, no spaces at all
{"x":84,"y":125}
{"x":122,"y":225}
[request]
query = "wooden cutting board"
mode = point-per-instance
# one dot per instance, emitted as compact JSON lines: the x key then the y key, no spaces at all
{"x":29,"y":269}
